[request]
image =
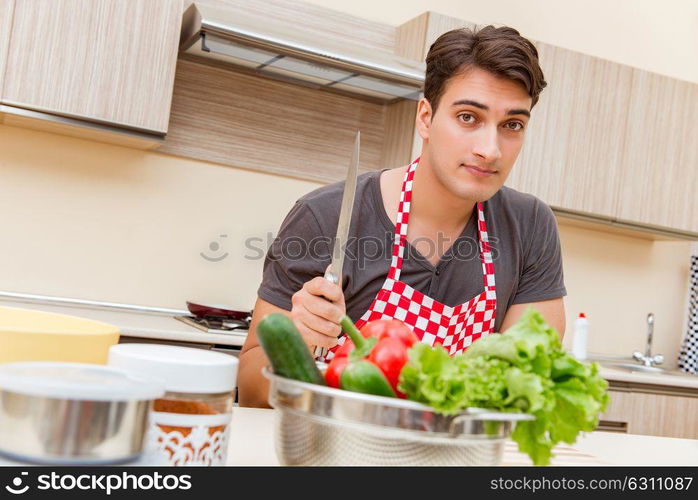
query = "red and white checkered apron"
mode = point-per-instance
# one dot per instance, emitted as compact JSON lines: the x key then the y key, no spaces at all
{"x":434,"y":323}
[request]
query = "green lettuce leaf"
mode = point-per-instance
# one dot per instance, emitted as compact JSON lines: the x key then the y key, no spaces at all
{"x":521,"y":370}
{"x":431,"y":377}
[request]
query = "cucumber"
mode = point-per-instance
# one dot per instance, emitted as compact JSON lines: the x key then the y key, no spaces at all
{"x":288,"y":353}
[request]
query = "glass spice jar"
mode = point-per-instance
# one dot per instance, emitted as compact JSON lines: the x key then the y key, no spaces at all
{"x":190,"y":424}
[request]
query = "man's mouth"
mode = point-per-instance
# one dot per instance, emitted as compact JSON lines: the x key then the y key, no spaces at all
{"x":479,"y":171}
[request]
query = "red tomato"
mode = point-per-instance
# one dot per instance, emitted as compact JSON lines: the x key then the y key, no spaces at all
{"x":334,"y":370}
{"x":390,"y":355}
{"x":390,"y":328}
{"x":344,"y":349}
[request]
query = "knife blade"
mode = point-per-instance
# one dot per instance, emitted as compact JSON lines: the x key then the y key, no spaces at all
{"x":334,"y":272}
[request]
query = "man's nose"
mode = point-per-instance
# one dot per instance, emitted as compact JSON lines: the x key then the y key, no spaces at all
{"x":487,"y":144}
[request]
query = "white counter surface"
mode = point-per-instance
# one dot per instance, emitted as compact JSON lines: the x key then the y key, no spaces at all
{"x":252,"y":443}
{"x":684,"y":380}
{"x":160,"y":326}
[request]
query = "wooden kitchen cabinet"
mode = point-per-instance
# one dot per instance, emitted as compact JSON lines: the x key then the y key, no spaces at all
{"x":274,"y":127}
{"x":571,"y":158}
{"x":283,"y":128}
{"x":619,"y":412}
{"x":105,"y":62}
{"x":6,"y":10}
{"x":612,"y":142}
{"x":606,"y":141}
{"x":668,"y":413}
{"x":660,"y":153}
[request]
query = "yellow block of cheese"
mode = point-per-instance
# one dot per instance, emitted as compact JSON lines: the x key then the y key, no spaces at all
{"x":29,"y":335}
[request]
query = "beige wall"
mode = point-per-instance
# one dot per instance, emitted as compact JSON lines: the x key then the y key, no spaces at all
{"x":616,"y":280}
{"x":85,"y":219}
{"x":91,"y":220}
{"x":656,"y":35}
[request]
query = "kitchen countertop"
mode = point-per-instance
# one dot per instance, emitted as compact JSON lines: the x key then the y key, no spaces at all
{"x":158,"y":326}
{"x":675,"y":377}
{"x":162,"y":326}
{"x":252,"y":443}
{"x":679,"y":380}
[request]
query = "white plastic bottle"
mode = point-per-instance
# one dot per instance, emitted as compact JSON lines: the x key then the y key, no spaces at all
{"x":581,"y":335}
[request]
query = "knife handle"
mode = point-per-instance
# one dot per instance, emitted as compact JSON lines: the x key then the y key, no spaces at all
{"x":332,"y":278}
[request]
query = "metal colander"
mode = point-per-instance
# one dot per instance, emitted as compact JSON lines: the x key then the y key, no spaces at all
{"x":318,"y":425}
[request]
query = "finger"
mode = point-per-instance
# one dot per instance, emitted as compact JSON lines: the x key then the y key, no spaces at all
{"x":321,"y":287}
{"x":315,"y":338}
{"x":328,"y":311}
{"x":320,"y":324}
{"x":305,"y":323}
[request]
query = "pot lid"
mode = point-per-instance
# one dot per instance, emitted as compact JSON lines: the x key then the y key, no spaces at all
{"x":79,"y":381}
{"x":183,"y":369}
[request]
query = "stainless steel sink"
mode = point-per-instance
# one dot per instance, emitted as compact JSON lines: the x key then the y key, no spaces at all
{"x":639,"y":362}
{"x":634,"y":367}
{"x":628,"y":364}
{"x":638,"y":368}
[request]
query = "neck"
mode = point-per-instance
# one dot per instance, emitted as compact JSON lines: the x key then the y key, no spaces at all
{"x":433,"y":203}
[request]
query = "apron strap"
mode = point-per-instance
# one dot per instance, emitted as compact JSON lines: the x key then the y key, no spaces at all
{"x":485,"y":253}
{"x":403,"y":216}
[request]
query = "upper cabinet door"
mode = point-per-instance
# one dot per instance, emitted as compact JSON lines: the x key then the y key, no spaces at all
{"x":104,"y":60}
{"x":660,"y":153}
{"x":6,"y":7}
{"x":571,"y":157}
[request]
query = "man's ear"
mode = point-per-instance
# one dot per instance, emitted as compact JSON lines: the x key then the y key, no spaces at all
{"x":423,"y":121}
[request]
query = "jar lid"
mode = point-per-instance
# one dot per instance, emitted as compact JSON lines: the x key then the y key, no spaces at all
{"x":79,"y":381}
{"x":183,"y":369}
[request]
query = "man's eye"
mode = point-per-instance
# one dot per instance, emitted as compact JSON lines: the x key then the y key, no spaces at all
{"x":516,"y":126}
{"x":466,"y":118}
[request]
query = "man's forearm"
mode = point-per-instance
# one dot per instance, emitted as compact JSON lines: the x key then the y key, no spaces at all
{"x":253,"y":387}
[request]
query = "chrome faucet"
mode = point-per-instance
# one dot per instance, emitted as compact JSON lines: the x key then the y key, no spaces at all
{"x":647,"y":359}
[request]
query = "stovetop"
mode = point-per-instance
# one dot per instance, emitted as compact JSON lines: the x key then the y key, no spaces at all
{"x":215,"y":325}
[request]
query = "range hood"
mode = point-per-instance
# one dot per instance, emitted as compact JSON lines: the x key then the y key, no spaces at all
{"x":288,"y":53}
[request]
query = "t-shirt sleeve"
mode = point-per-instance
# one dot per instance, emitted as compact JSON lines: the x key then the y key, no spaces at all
{"x":542,"y":277}
{"x":299,"y":253}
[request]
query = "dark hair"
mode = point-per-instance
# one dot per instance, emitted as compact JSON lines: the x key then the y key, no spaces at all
{"x":501,"y":51}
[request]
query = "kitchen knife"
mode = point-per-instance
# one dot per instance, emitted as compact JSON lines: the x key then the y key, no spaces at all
{"x":334,"y":272}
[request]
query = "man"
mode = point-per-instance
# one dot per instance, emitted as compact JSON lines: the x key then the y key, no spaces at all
{"x":463,"y":256}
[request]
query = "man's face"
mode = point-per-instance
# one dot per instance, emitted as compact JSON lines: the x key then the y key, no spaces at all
{"x":475,"y":136}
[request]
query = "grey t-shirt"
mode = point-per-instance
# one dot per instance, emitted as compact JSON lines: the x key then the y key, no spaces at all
{"x":523,"y":238}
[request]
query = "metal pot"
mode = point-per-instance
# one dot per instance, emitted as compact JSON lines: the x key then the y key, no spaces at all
{"x":73,"y":413}
{"x":319,"y":425}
